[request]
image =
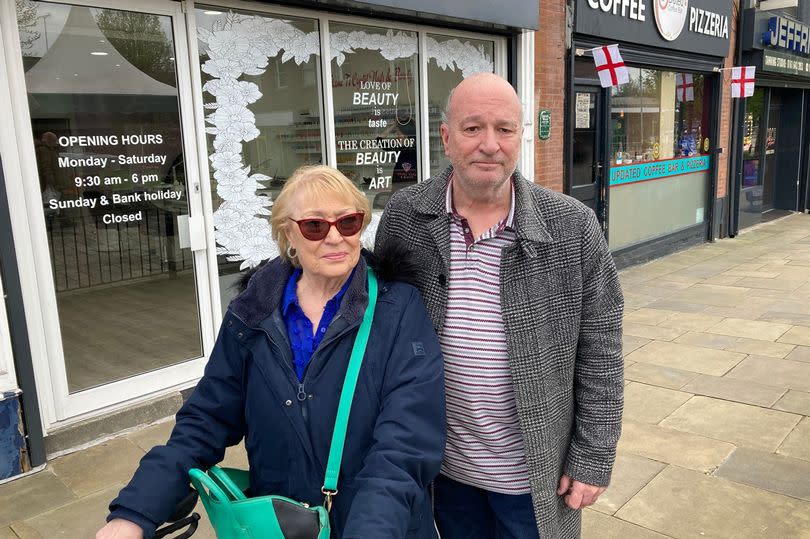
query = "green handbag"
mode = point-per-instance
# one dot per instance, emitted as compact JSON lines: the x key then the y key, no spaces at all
{"x":222,"y":490}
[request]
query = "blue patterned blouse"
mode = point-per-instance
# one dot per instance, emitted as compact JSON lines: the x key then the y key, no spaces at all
{"x":299,"y":328}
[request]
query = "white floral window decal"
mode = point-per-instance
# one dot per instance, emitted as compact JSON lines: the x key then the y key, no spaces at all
{"x":239,"y":45}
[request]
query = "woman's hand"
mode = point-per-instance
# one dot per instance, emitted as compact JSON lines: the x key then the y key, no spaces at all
{"x":119,"y":528}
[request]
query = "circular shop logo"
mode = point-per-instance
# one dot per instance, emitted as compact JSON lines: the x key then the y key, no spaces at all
{"x":670,"y":17}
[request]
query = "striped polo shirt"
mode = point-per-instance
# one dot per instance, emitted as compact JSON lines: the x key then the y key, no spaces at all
{"x":484,"y":443}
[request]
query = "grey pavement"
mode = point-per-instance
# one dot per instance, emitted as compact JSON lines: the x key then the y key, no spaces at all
{"x":716,"y":434}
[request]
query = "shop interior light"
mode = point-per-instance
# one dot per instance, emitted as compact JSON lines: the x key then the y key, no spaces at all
{"x":99,"y":53}
{"x":212,"y":12}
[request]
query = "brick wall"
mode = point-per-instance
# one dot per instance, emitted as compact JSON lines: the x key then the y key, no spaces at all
{"x":724,"y":134}
{"x":549,"y":92}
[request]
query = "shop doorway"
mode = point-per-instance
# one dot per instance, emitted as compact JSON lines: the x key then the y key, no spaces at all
{"x":588,"y":169}
{"x":772,"y":154}
{"x":109,"y":102}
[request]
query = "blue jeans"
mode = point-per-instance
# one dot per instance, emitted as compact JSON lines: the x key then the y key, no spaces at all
{"x":465,"y":512}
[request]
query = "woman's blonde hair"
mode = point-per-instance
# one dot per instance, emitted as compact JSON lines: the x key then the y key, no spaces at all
{"x":314,"y":182}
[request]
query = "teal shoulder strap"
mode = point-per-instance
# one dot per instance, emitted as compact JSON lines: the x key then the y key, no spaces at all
{"x":347,"y":394}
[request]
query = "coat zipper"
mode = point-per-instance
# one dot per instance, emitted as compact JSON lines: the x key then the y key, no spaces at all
{"x":301,"y":395}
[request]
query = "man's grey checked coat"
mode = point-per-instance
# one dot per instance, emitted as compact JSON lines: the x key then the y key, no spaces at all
{"x":562,"y":310}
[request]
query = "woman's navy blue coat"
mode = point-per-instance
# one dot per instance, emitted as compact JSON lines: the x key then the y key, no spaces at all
{"x":396,"y":430}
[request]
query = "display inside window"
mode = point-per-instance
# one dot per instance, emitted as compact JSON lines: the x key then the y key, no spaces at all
{"x":105,"y":117}
{"x":375,"y":76}
{"x":659,"y":115}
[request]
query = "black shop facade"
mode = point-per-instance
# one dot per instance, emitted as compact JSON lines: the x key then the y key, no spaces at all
{"x":772,"y":137}
{"x":644,"y":154}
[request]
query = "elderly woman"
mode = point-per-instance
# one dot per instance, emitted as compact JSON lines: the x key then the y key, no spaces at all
{"x":276,"y":373}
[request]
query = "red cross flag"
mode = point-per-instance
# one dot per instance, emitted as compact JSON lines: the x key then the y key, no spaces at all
{"x":685,"y":87}
{"x":610,"y":66}
{"x":742,"y":81}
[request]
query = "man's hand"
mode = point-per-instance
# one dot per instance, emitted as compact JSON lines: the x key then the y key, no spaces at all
{"x":118,"y":528}
{"x":578,"y":495}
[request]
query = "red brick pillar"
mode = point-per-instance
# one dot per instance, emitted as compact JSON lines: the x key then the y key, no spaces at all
{"x":549,"y":92}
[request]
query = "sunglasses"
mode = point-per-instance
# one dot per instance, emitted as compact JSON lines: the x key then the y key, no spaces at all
{"x":315,"y":229}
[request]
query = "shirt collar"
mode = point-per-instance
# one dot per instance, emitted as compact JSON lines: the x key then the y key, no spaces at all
{"x":450,"y":208}
{"x":290,"y":297}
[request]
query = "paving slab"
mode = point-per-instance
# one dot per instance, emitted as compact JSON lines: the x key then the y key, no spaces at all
{"x":648,"y":316}
{"x":678,"y":278}
{"x":791,"y":305}
{"x":752,"y":273}
{"x":690,"y":321}
{"x":651,"y":404}
{"x":761,"y":348}
{"x":656,"y":375}
{"x":741,"y":424}
{"x":735,"y":390}
{"x":630,"y":343}
{"x":637,"y":301}
{"x":800,"y":353}
{"x":737,"y":311}
{"x":687,"y":357}
{"x":651,"y":332}
{"x":797,"y":402}
{"x":797,"y":335}
{"x":97,"y":467}
{"x":673,"y":446}
{"x":761,"y":469}
{"x":773,"y":372}
{"x":677,"y":305}
{"x":707,"y":340}
{"x":752,"y":329}
{"x":797,"y":444}
{"x":793,"y":319}
{"x":684,"y":503}
{"x":704,"y":294}
{"x":780,"y":283}
{"x":31,"y":495}
{"x":595,"y":525}
{"x":723,"y":279}
{"x":81,"y":518}
{"x":630,"y":474}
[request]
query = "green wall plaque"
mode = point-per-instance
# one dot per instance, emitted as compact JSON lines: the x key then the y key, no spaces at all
{"x":544,"y":124}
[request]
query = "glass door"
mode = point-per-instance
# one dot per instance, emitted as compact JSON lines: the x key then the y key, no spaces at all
{"x":587,"y":155}
{"x":117,"y":188}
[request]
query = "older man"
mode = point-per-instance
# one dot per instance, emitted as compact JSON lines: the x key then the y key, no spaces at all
{"x":524,"y":295}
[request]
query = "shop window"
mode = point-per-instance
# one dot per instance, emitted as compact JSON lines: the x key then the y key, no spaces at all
{"x":659,"y":152}
{"x":103,"y":99}
{"x":375,"y":87}
{"x":263,"y":85}
{"x":263,"y":120}
{"x":450,"y":60}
